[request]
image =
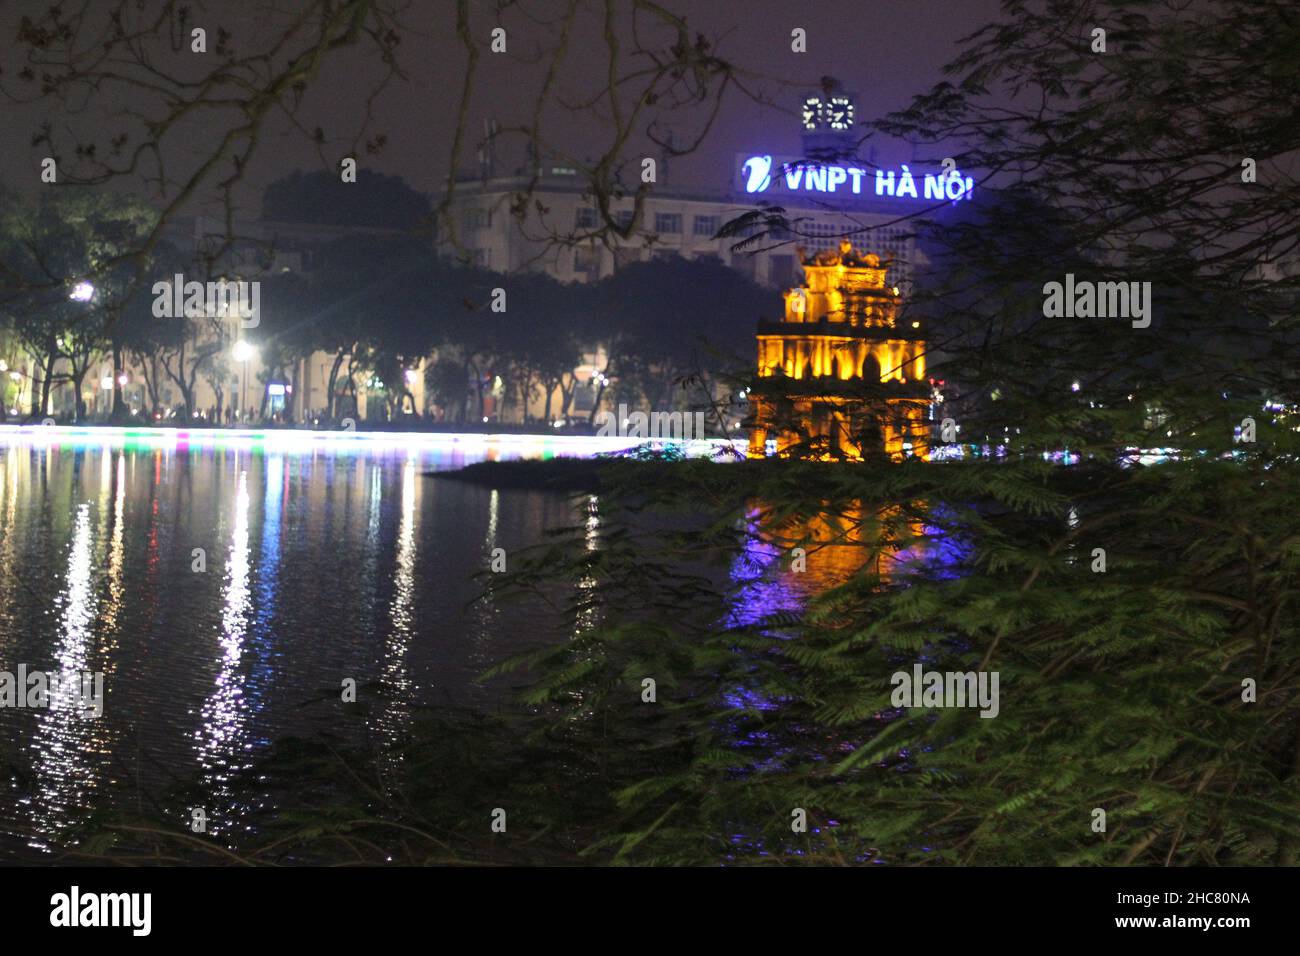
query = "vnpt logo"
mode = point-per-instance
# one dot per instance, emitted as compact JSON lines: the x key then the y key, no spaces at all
{"x":758,"y":173}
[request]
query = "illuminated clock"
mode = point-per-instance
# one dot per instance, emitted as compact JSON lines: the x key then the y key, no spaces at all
{"x":812,"y":112}
{"x":839,"y":114}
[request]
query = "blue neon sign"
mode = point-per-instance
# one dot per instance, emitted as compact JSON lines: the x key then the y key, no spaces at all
{"x":761,"y":174}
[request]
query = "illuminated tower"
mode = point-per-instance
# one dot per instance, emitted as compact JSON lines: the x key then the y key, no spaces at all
{"x":847,"y":378}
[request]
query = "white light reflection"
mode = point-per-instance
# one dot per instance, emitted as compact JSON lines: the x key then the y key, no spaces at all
{"x":224,"y":711}
{"x":396,"y":715}
{"x":67,"y":741}
{"x":589,"y":615}
{"x":484,"y":610}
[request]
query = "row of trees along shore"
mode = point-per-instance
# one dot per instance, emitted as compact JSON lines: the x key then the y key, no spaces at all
{"x":374,"y":304}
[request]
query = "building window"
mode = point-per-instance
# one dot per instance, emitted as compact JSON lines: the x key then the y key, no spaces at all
{"x":780,"y":271}
{"x":476,"y":218}
{"x":586,"y":259}
{"x":707,"y":226}
{"x":584,"y":398}
{"x":624,"y":218}
{"x":585,"y":218}
{"x":669,"y":222}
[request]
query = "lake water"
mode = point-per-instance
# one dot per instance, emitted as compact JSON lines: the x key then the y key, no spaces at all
{"x":324,"y":561}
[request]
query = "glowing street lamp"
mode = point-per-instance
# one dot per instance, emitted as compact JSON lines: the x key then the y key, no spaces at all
{"x":82,"y":292}
{"x":243,"y":352}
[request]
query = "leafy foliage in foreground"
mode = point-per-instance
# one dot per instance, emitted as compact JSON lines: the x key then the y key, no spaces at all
{"x":1121,"y":689}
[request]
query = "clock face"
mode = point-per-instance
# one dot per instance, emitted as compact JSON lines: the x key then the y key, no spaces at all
{"x":812,"y":112}
{"x":840,"y":113}
{"x":836,"y":114}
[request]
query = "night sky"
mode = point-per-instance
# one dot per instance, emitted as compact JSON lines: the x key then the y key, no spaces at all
{"x":884,"y":51}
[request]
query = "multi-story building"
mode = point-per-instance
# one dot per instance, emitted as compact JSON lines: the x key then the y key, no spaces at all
{"x":678,"y":222}
{"x":825,"y":197}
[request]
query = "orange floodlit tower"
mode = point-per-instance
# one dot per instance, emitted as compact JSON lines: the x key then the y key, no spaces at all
{"x":849,"y":378}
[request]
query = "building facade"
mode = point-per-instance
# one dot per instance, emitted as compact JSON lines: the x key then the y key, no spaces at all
{"x":683,"y":223}
{"x":543,"y":218}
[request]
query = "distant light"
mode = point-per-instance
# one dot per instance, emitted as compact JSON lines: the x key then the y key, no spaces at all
{"x":1074,"y":386}
{"x":306,"y":439}
{"x":485,"y":418}
{"x":275,"y":388}
{"x":243,"y":352}
{"x":895,"y":290}
{"x":412,"y":376}
{"x":106,"y":383}
{"x":82,"y":292}
{"x":916,"y":325}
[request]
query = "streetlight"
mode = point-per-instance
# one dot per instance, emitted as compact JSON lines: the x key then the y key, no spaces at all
{"x":81,"y":292}
{"x":243,"y":352}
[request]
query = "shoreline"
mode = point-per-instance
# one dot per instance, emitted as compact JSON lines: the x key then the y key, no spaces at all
{"x":289,"y":435}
